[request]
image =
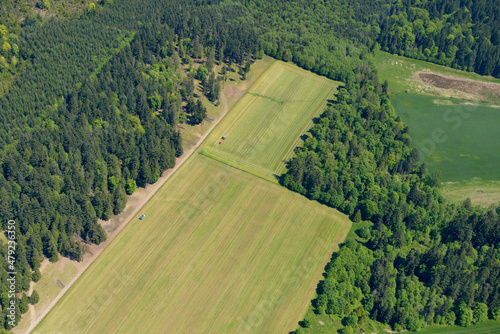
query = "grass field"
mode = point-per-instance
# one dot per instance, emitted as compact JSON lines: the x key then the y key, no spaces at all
{"x":266,"y":124}
{"x":484,"y":193}
{"x":220,"y":250}
{"x":467,"y":138}
{"x":488,"y":327}
{"x":400,"y":73}
{"x":460,"y":141}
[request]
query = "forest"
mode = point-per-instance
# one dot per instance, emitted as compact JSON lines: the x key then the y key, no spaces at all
{"x":92,"y":115}
{"x":89,"y":102}
{"x":460,"y":34}
{"x":423,"y":261}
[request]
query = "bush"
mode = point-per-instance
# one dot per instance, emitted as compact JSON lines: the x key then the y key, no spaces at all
{"x":300,"y":330}
{"x":34,"y":298}
{"x":496,"y":314}
{"x":36,"y":276}
{"x":346,"y":330}
{"x":466,"y":315}
{"x":364,"y":233}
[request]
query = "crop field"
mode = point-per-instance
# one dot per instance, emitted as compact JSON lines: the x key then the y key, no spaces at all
{"x":266,"y":124}
{"x":461,"y":141}
{"x":219,"y":251}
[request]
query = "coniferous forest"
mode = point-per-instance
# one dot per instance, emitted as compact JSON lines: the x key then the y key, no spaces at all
{"x":89,"y":105}
{"x":91,"y":115}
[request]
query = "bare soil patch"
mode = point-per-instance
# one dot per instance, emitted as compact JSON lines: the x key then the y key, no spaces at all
{"x":468,"y":86}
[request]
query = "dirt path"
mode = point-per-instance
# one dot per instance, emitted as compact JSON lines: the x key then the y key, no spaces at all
{"x":134,"y":204}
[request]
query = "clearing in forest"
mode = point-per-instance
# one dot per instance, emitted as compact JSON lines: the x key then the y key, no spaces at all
{"x":220,"y":250}
{"x":453,"y":118}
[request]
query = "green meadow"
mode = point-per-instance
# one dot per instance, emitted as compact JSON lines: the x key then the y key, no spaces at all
{"x":460,"y":141}
{"x":488,"y":327}
{"x":457,"y":134}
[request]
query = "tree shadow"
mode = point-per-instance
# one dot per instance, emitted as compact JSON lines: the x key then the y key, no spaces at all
{"x":331,"y":102}
{"x":316,"y":120}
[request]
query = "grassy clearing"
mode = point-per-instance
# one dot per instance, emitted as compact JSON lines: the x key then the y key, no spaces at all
{"x":465,"y":149}
{"x":233,"y":89}
{"x":461,"y":141}
{"x":266,"y":124}
{"x":48,"y":289}
{"x":488,"y":327}
{"x":484,"y":193}
{"x":219,"y":251}
{"x":400,"y":74}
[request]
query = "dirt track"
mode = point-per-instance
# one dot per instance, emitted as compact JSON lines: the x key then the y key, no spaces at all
{"x":477,"y":88}
{"x":134,"y":204}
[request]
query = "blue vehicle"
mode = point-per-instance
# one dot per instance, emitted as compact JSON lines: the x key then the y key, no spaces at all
{"x":142,"y":217}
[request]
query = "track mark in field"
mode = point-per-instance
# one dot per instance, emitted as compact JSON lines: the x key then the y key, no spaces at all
{"x":267,"y":97}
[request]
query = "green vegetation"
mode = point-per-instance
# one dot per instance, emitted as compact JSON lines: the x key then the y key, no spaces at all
{"x":214,"y":229}
{"x":265,"y":125}
{"x":17,"y":13}
{"x":464,"y":35}
{"x":400,"y":73}
{"x":487,"y":327}
{"x":91,"y":113}
{"x":310,"y":33}
{"x":459,"y":141}
{"x":90,"y":107}
{"x":424,"y":261}
{"x":437,"y":109}
{"x":484,"y":193}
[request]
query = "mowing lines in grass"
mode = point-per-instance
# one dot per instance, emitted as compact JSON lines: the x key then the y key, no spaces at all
{"x":266,"y":124}
{"x":220,"y":251}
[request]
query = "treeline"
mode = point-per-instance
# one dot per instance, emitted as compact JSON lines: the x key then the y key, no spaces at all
{"x":91,"y":116}
{"x":306,"y":33}
{"x":424,"y":261}
{"x":460,"y":34}
{"x":329,"y":37}
{"x":9,"y":51}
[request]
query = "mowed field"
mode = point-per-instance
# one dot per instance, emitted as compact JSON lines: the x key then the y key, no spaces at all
{"x":220,"y":251}
{"x":265,"y":126}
